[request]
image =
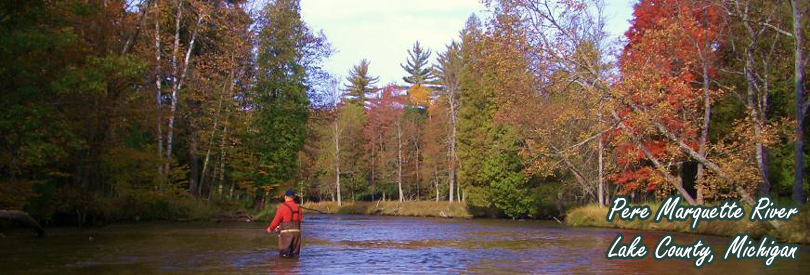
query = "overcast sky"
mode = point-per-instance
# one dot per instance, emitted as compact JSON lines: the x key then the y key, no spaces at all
{"x":383,"y":30}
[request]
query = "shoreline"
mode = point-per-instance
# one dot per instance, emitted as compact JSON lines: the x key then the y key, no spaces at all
{"x":442,"y":209}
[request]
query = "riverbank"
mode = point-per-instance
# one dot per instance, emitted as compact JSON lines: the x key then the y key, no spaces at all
{"x":796,"y":230}
{"x":440,"y":209}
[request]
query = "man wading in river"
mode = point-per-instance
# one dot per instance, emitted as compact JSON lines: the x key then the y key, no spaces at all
{"x":288,"y":220}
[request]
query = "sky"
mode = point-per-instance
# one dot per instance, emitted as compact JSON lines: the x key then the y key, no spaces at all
{"x":383,"y":30}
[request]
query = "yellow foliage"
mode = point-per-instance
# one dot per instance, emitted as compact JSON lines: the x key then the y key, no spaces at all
{"x":419,"y":95}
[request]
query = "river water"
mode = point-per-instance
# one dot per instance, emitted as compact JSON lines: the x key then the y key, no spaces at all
{"x":351,"y":244}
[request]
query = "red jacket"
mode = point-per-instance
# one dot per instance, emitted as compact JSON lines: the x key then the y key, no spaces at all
{"x":285,"y":214}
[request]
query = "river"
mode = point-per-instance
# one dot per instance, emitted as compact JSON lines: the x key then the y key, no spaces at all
{"x":353,"y":244}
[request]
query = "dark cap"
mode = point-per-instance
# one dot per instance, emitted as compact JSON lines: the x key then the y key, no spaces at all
{"x":290,"y":193}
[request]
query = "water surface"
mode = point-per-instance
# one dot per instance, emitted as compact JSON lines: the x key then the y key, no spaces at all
{"x":340,"y":244}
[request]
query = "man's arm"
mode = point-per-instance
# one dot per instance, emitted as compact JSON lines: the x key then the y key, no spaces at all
{"x":276,"y":220}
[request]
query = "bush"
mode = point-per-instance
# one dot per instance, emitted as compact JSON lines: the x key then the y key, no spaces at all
{"x":72,"y":206}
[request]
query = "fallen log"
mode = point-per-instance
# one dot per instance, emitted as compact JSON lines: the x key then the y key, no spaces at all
{"x":22,"y":218}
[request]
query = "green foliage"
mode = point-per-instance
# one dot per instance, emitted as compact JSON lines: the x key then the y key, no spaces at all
{"x":35,"y":133}
{"x":281,"y":94}
{"x":417,"y":66}
{"x":476,"y":111}
{"x":510,"y":192}
{"x":361,"y":83}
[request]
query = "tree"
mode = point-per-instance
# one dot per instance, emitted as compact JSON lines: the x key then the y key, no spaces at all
{"x":361,"y":84}
{"x":417,"y":66}
{"x":698,"y":26}
{"x":280,"y":100}
{"x":178,"y":74}
{"x":474,"y":114}
{"x":385,"y":131}
{"x":437,"y":156}
{"x":801,"y":104}
{"x":448,"y":72}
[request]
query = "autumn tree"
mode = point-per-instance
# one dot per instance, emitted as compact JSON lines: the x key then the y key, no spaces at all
{"x":448,"y":72}
{"x":437,"y":157}
{"x":385,"y":132}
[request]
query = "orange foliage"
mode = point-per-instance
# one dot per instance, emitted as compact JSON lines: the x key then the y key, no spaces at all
{"x":660,"y":68}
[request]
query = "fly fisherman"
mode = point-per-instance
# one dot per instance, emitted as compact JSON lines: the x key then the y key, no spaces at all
{"x":288,"y":223}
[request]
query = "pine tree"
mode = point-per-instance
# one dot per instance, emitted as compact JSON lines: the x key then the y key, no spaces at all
{"x":360,"y":83}
{"x":418,"y":66}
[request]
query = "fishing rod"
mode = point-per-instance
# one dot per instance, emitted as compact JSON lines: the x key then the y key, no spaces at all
{"x":316,"y":210}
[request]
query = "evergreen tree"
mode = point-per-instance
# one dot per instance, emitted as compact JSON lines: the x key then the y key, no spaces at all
{"x":418,"y":66}
{"x":360,"y":83}
{"x":281,"y":102}
{"x":475,"y":113}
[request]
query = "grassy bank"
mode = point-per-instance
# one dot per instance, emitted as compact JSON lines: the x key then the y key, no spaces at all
{"x":796,"y":230}
{"x":394,"y":208}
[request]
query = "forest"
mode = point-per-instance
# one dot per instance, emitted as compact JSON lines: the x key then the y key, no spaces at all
{"x":121,"y":110}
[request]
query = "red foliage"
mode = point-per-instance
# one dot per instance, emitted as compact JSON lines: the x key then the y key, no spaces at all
{"x":382,"y":114}
{"x":669,"y":41}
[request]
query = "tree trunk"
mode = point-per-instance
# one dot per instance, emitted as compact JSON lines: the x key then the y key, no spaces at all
{"x":258,"y":202}
{"x":753,"y":110}
{"x":399,"y":162}
{"x":222,"y":162}
{"x":451,"y":170}
{"x":416,"y":144}
{"x":210,"y":145}
{"x":337,"y":159}
{"x":144,"y":10}
{"x":707,"y":111}
{"x":757,"y":119}
{"x":158,"y":88}
{"x":757,"y":116}
{"x":212,"y":186}
{"x":453,"y":104}
{"x":677,"y":182}
{"x":436,"y":183}
{"x":458,"y":192}
{"x":175,"y":51}
{"x":178,"y":81}
{"x":194,"y":173}
{"x":801,"y":106}
{"x":601,"y":194}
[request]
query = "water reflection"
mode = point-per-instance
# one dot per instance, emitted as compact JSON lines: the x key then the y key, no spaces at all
{"x":337,"y":244}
